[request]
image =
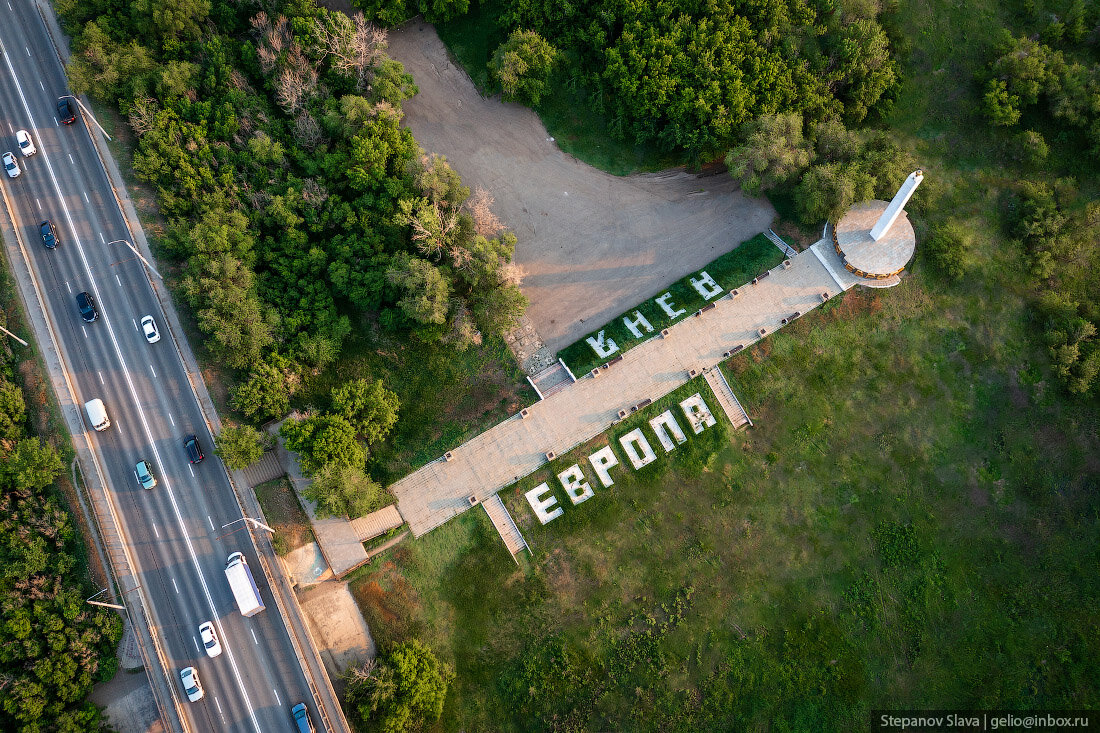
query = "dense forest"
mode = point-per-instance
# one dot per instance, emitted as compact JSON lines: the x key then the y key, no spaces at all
{"x":296,"y":203}
{"x":53,"y":646}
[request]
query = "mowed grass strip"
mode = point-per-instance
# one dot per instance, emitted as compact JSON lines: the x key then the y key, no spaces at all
{"x":608,"y":505}
{"x":730,"y":271}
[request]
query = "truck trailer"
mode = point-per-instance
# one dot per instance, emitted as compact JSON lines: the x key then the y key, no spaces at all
{"x":243,"y":585}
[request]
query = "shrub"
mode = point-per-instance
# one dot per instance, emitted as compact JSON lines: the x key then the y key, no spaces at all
{"x":522,"y":66}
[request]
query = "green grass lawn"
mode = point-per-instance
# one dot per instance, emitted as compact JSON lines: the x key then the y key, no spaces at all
{"x":913,"y":522}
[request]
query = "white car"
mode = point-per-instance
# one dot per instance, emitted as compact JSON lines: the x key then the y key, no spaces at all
{"x":149,"y":328}
{"x":191,"y":684}
{"x":210,"y":639}
{"x":26,"y":145}
{"x":11,"y":165}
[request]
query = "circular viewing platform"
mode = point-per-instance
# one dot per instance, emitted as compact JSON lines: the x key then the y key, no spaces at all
{"x":880,"y":260}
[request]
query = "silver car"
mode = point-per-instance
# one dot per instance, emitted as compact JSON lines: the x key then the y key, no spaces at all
{"x":145,"y":475}
{"x":11,"y":165}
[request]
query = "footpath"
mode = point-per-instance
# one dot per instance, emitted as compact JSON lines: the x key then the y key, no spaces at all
{"x":473,"y":472}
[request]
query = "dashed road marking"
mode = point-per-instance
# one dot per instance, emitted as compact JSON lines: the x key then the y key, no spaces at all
{"x":175,"y":586}
{"x":154,"y":371}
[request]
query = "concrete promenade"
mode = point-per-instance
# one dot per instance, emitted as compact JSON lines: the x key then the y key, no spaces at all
{"x":514,"y":448}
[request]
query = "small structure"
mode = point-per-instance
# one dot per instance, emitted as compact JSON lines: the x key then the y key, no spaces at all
{"x":875,"y":239}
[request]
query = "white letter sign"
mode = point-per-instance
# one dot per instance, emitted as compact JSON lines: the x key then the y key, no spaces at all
{"x":662,"y":425}
{"x":633,"y":441}
{"x":540,"y":505}
{"x":576,"y":488}
{"x":602,"y":460}
{"x":697,"y":413}
{"x":603,"y":347}
{"x":639,"y":320}
{"x":706,"y":286}
{"x":669,"y":308}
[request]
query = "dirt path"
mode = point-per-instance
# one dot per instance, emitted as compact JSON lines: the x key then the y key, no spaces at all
{"x":592,"y":244}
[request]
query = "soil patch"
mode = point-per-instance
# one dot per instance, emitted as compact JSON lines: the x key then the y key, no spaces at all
{"x":592,"y":244}
{"x":284,"y":513}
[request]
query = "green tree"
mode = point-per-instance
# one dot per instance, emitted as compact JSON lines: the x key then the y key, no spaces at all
{"x":12,"y":410}
{"x":522,"y":66}
{"x":241,"y":445}
{"x":498,"y":310}
{"x":32,"y":464}
{"x":368,"y":406}
{"x":1001,"y":107}
{"x":266,"y":392}
{"x":345,"y":491}
{"x":947,"y":246}
{"x":773,"y":152}
{"x":108,"y":70}
{"x":403,"y":690}
{"x":826,"y":191}
{"x":425,"y":290}
{"x":323,"y":439}
{"x":169,"y":21}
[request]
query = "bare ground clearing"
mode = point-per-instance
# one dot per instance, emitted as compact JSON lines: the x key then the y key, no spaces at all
{"x":593,"y":244}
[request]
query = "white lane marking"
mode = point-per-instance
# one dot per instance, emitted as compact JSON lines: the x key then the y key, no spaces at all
{"x":71,"y":159}
{"x":28,"y":50}
{"x":197,"y":647}
{"x":135,"y":323}
{"x":277,"y":698}
{"x":42,"y":86}
{"x":211,"y":522}
{"x":118,"y":281}
{"x":68,"y":286}
{"x":86,"y":199}
{"x":11,"y":8}
{"x":219,"y":708}
{"x":191,"y":469}
{"x":10,"y":128}
{"x":154,"y":371}
{"x":156,"y":531}
{"x":118,"y":427}
{"x":101,"y":377}
{"x":85,"y":330}
{"x":254,"y":637}
{"x":141,"y":413}
{"x":39,"y":204}
{"x":101,"y":239}
{"x":171,"y":420}
{"x":175,"y":586}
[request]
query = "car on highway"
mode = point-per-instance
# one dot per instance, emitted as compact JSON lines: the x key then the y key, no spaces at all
{"x":49,"y":234}
{"x":194,"y":452}
{"x":301,"y":718}
{"x":210,"y":639}
{"x":11,"y":165}
{"x":65,"y":111}
{"x":26,"y":144}
{"x":149,"y":328}
{"x":191,"y":686}
{"x":144,"y":474}
{"x":86,"y":304}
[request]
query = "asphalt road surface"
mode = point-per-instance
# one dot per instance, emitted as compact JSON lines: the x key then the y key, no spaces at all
{"x":175,"y":530}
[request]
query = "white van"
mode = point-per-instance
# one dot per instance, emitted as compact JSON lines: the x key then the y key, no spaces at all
{"x":97,"y":414}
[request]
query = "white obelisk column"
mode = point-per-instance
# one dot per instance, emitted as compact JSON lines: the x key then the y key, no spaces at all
{"x":894,"y":209}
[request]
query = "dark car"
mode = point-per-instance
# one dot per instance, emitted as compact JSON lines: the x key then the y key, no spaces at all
{"x":49,"y":234}
{"x":65,"y":111}
{"x":194,"y":452}
{"x":301,"y":718}
{"x":87,"y":307}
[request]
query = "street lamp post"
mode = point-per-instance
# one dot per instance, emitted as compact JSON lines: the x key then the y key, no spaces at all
{"x":13,"y":336}
{"x":101,"y":603}
{"x":87,"y":112}
{"x":254,"y":521}
{"x":134,"y":250}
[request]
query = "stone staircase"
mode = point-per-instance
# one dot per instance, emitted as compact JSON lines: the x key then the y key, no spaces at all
{"x":551,"y":380}
{"x":726,"y":398}
{"x":506,"y":527}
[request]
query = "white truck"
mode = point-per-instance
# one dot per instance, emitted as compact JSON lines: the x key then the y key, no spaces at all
{"x":244,"y":587}
{"x":97,"y":414}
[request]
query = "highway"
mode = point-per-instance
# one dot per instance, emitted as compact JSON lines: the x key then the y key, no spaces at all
{"x":175,"y":529}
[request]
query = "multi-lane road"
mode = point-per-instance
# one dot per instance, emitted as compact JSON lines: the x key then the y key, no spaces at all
{"x":175,"y":530}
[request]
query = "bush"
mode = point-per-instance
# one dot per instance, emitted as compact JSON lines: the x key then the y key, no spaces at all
{"x":946,"y":248}
{"x":1030,"y":147}
{"x":522,"y":66}
{"x":402,"y":690}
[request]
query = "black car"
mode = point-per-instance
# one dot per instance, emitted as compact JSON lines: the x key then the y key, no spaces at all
{"x":86,"y":304}
{"x":49,"y":234}
{"x":194,"y":452}
{"x":65,"y":111}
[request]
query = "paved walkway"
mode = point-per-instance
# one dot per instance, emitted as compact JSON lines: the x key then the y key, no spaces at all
{"x":438,"y":491}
